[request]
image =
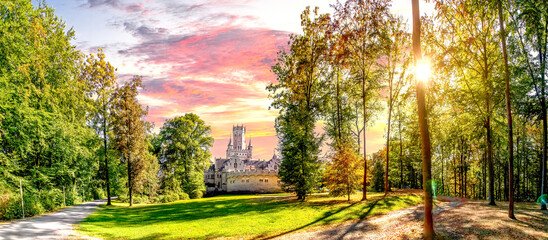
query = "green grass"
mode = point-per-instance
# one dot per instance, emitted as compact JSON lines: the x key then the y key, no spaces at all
{"x":239,"y":216}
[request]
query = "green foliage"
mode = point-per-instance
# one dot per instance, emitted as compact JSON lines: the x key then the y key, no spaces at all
{"x":298,"y":96}
{"x":100,"y":79}
{"x":196,"y":194}
{"x":184,"y":196}
{"x":33,"y":205}
{"x":98,"y":193}
{"x":169,"y":197}
{"x":45,"y":140}
{"x":51,"y":199}
{"x":130,"y":131}
{"x":377,"y":174}
{"x":184,"y":154}
{"x":300,"y":168}
{"x":10,"y":203}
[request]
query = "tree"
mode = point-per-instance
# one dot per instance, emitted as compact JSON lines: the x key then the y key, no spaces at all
{"x":423,"y":125}
{"x":509,"y":115}
{"x":360,"y":23}
{"x":130,"y":131}
{"x":377,"y":171}
{"x":147,"y":181}
{"x":398,"y":40}
{"x":101,"y":82}
{"x":344,"y":174}
{"x":298,"y":95}
{"x":474,"y":56}
{"x":184,"y":153}
{"x":530,"y":20}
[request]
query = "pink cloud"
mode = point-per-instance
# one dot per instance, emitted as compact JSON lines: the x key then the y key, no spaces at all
{"x":210,"y":74}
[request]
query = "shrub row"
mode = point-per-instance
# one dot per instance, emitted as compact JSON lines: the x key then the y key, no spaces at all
{"x":35,"y":202}
{"x":163,"y":198}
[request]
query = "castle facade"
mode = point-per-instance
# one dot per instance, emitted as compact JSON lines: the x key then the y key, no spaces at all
{"x":239,"y":172}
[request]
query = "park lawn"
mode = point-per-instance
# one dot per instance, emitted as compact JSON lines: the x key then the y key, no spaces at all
{"x":242,"y":216}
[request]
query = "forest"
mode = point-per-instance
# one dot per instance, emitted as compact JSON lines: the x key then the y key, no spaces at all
{"x":358,"y":65}
{"x":71,"y":130}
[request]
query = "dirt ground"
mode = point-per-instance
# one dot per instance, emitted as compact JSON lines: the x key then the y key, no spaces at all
{"x":454,"y":218}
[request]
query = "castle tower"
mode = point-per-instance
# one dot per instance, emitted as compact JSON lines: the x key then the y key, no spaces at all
{"x":249,"y":150}
{"x":239,"y":137}
{"x":229,"y":148}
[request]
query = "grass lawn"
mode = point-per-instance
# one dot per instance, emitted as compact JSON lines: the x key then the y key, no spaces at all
{"x":241,"y":216}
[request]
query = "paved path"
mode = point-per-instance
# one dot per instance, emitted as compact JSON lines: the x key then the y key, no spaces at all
{"x":57,"y":225}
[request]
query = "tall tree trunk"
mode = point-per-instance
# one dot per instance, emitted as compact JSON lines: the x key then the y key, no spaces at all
{"x":518,"y":175}
{"x":542,"y":54}
{"x":338,"y":109}
{"x":386,"y":182}
{"x":442,"y":171}
{"x":544,"y":140}
{"x":401,"y":157}
{"x":484,"y":174}
{"x":455,"y":176}
{"x":129,"y":171}
{"x":364,"y":196}
{"x":491,"y":171}
{"x":527,"y":177}
{"x":461,"y":168}
{"x":465,"y":179}
{"x":423,"y":127}
{"x":508,"y":117}
{"x":105,"y":145}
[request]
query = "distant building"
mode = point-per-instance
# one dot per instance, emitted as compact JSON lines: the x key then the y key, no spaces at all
{"x":238,"y":172}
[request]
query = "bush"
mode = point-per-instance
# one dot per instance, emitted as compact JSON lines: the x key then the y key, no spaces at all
{"x":71,"y":197}
{"x":32,"y":204}
{"x":52,"y":199}
{"x":168,"y":197}
{"x":183,"y":196}
{"x":10,"y":206}
{"x":196,"y":194}
{"x":138,"y":199}
{"x":172,"y":197}
{"x":98,"y":193}
{"x":123,"y":198}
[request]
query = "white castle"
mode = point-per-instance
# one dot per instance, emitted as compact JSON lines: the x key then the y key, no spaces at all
{"x":238,"y":172}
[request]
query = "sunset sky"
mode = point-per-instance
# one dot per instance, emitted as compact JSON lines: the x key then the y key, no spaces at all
{"x":211,"y":58}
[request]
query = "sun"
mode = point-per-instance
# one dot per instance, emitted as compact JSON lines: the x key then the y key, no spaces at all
{"x":422,"y":70}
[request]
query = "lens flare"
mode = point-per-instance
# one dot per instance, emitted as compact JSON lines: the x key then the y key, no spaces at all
{"x":422,"y":70}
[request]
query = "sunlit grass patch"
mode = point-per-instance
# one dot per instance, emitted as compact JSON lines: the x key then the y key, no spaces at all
{"x":234,"y":215}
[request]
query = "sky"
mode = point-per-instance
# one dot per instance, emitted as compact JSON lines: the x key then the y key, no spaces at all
{"x":208,"y":57}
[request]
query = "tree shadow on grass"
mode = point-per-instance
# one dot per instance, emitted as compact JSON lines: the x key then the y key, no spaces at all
{"x":365,"y":211}
{"x":320,"y":219}
{"x":186,"y":211}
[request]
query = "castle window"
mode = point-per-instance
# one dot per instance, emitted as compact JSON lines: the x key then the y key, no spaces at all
{"x":261,"y":180}
{"x":242,"y":180}
{"x":235,"y":165}
{"x":266,"y":180}
{"x":247,"y":180}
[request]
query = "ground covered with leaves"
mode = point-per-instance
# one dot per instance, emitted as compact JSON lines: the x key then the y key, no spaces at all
{"x":454,"y":218}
